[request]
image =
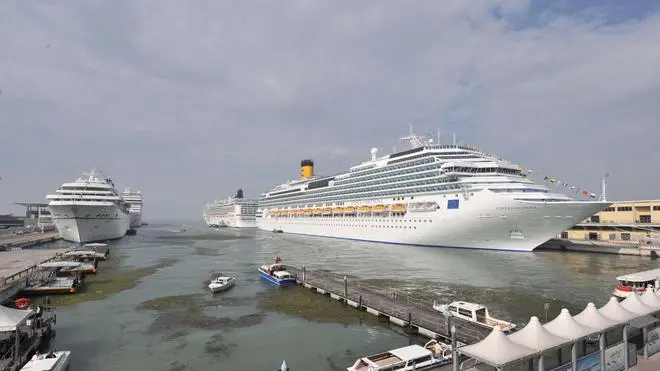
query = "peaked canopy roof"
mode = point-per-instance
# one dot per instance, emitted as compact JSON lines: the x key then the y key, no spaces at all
{"x":615,"y":311}
{"x":535,"y":336}
{"x":565,"y":326}
{"x":633,"y":304}
{"x":10,"y":318}
{"x":591,"y":317}
{"x":496,"y":349}
{"x":651,"y":299}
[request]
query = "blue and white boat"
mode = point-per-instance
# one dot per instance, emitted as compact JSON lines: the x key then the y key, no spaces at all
{"x":277,"y":273}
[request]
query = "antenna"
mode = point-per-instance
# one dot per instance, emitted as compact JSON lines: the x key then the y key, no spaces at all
{"x":603,"y":188}
{"x":438,"y":136}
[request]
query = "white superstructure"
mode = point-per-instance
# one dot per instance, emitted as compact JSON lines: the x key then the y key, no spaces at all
{"x":432,"y":194}
{"x":134,"y":201}
{"x":89,"y":209}
{"x":237,"y":212}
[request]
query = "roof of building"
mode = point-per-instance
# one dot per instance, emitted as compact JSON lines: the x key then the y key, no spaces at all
{"x":29,"y":203}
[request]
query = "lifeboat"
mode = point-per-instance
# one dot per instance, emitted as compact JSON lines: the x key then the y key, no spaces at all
{"x":22,"y":303}
{"x":337,"y":210}
{"x":307,"y":211}
{"x":379,"y":208}
{"x":399,"y":208}
{"x":364,"y":209}
{"x":316,"y":211}
{"x":327,"y":211}
{"x":349,"y":210}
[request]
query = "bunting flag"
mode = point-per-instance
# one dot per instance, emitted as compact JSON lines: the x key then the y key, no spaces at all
{"x":559,"y":183}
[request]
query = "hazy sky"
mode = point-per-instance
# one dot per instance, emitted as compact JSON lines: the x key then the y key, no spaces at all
{"x":190,"y":100}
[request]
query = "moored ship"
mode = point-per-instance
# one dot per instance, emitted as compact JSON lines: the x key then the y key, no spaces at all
{"x":89,"y":209}
{"x":134,"y":201}
{"x":235,"y":212}
{"x":443,"y":195}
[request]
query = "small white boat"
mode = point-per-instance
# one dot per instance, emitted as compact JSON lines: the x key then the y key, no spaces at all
{"x":637,"y":282}
{"x":412,"y":357}
{"x":54,"y":361}
{"x":221,"y":284}
{"x":473,"y":312}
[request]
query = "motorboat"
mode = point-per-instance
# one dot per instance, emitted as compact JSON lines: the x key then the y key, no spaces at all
{"x":473,"y":312}
{"x":277,"y":273}
{"x":53,"y":361}
{"x":637,"y":282}
{"x":412,"y":357}
{"x":222,"y":284}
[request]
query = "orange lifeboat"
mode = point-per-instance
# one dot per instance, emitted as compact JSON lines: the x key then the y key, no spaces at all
{"x":22,"y":303}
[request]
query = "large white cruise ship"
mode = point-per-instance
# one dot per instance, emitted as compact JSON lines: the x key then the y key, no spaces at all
{"x":134,"y":201}
{"x":237,"y":212}
{"x":89,"y":209}
{"x":432,"y":195}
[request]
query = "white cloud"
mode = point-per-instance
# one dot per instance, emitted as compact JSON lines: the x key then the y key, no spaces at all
{"x":189,"y":99}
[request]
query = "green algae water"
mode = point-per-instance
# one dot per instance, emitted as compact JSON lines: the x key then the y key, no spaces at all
{"x":149,"y":307}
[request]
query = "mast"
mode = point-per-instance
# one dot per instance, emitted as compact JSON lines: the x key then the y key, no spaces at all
{"x":603,"y":188}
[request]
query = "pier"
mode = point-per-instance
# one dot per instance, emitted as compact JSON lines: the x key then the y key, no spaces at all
{"x":10,"y":240}
{"x":17,"y":265}
{"x":416,"y":315}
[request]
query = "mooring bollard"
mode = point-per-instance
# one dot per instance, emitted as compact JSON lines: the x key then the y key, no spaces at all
{"x":345,"y":287}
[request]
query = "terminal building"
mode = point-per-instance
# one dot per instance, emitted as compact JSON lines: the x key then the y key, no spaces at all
{"x":37,"y":214}
{"x":623,"y":221}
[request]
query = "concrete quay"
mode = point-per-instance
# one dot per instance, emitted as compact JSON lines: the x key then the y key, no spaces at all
{"x":600,"y":247}
{"x":9,"y":241}
{"x":17,"y":265}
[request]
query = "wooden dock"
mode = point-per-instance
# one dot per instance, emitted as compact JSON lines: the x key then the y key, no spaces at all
{"x":17,"y":265}
{"x":9,"y":241}
{"x":417,"y":315}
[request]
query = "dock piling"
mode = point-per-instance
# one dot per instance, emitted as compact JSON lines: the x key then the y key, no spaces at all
{"x":454,"y":354}
{"x":382,"y":302}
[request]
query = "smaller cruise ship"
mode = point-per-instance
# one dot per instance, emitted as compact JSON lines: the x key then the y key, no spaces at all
{"x":236,"y":212}
{"x":89,"y":209}
{"x":134,"y":201}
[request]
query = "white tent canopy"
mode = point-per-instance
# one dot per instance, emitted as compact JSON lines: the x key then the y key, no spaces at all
{"x":496,"y":349}
{"x":10,"y":318}
{"x":633,"y":304}
{"x":591,"y":317}
{"x":615,"y":311}
{"x":565,"y":326}
{"x":651,"y":299}
{"x":535,"y":336}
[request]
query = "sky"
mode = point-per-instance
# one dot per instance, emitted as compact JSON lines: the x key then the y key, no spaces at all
{"x":189,"y":101}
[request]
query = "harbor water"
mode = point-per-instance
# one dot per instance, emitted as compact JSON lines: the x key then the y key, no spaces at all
{"x":165,"y":318}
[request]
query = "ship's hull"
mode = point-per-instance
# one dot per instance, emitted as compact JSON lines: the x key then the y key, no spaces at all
{"x":483,"y":220}
{"x":135,"y":219}
{"x":82,"y":223}
{"x":236,"y":221}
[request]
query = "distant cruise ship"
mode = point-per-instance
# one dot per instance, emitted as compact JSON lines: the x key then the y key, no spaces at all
{"x":234,"y":211}
{"x":89,"y":209}
{"x":134,"y":200}
{"x":431,"y":194}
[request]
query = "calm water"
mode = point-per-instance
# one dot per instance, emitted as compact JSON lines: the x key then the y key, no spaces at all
{"x":170,"y":322}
